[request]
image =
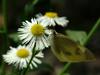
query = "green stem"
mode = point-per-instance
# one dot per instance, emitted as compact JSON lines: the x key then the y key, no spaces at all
{"x":5,"y":39}
{"x":87,"y":39}
{"x":65,"y":68}
{"x":2,"y":68}
{"x":92,"y":31}
{"x":25,"y":71}
{"x":5,"y":14}
{"x":35,"y":2}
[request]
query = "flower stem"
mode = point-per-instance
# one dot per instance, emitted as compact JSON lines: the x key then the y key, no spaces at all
{"x":92,"y":31}
{"x":4,"y":32}
{"x":33,"y":54}
{"x":5,"y":14}
{"x":65,"y":68}
{"x":5,"y":35}
{"x":87,"y":39}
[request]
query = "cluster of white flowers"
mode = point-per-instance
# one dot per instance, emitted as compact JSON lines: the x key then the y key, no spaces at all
{"x":34,"y":36}
{"x":21,"y":56}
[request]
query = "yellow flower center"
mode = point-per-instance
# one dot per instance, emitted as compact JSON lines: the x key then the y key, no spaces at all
{"x":37,"y":30}
{"x":51,"y":14}
{"x":22,"y":53}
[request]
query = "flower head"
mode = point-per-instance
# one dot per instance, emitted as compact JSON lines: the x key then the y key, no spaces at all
{"x":34,"y":33}
{"x":52,"y":18}
{"x":21,"y":56}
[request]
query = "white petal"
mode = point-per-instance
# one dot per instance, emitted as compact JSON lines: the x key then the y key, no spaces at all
{"x":37,"y":60}
{"x":34,"y":63}
{"x":61,"y":21}
{"x":52,"y":22}
{"x":40,"y":54}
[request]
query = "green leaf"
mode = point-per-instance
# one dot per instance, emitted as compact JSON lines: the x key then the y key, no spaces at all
{"x":78,"y":36}
{"x":30,"y":6}
{"x":2,"y":30}
{"x":66,"y":74}
{"x":14,"y":37}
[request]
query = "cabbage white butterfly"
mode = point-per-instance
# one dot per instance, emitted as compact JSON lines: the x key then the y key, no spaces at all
{"x":67,"y":50}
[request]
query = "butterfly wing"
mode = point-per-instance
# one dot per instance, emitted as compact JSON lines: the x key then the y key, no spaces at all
{"x":67,"y":50}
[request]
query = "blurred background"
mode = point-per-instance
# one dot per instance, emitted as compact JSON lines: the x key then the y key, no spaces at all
{"x":82,"y":15}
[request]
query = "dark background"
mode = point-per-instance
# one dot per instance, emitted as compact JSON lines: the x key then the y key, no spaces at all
{"x":82,"y":15}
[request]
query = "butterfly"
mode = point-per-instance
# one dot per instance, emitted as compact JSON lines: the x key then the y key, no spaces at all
{"x":67,"y":50}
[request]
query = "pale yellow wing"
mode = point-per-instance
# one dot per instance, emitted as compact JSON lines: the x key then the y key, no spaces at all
{"x":67,"y":50}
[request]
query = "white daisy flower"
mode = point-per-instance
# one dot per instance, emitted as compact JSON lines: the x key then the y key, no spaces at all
{"x":35,"y":34}
{"x":21,"y":56}
{"x":51,"y":19}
